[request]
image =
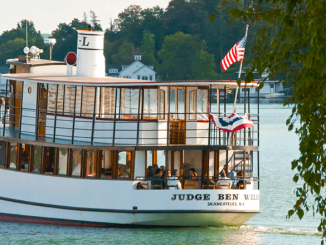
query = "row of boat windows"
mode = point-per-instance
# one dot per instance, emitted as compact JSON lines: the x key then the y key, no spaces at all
{"x":125,"y":103}
{"x":71,"y":162}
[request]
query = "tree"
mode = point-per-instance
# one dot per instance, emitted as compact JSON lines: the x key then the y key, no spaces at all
{"x":180,"y":53}
{"x":291,"y":43}
{"x":148,"y":49}
{"x":125,"y":56}
{"x":66,"y":36}
{"x":95,"y":22}
{"x":13,"y":42}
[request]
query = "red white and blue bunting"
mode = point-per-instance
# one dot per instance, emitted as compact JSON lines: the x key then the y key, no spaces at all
{"x":232,"y":123}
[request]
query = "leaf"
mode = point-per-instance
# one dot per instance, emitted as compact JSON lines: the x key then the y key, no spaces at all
{"x":212,"y":17}
{"x":295,"y":178}
{"x":291,"y":212}
{"x":300,"y":213}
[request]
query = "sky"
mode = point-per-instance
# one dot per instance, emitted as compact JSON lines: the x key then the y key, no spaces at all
{"x":46,"y":14}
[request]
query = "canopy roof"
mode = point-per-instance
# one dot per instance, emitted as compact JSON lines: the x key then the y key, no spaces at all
{"x":114,"y":81}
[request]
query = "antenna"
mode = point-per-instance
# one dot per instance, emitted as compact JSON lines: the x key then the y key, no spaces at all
{"x":26,"y":25}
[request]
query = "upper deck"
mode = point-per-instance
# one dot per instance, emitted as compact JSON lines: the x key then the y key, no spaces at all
{"x":119,"y":112}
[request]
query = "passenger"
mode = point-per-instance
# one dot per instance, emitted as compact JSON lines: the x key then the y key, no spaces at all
{"x":173,"y":182}
{"x":193,"y":174}
{"x":223,"y":182}
{"x":162,"y":168}
{"x":156,"y":179}
{"x":193,"y":178}
{"x":164,"y":178}
{"x":186,"y":174}
{"x":155,"y":167}
{"x":208,"y":182}
{"x":241,"y":182}
{"x":150,"y":172}
{"x":231,"y":175}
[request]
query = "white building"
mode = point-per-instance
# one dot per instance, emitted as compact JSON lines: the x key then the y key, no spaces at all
{"x":136,"y":70}
{"x":270,"y":87}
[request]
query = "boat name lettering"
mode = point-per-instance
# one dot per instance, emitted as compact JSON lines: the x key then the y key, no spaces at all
{"x":84,"y":41}
{"x":225,"y":204}
{"x":251,"y":197}
{"x":228,"y":196}
{"x":189,"y":197}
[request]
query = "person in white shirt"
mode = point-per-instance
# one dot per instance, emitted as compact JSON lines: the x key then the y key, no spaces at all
{"x":173,"y":182}
{"x":223,"y":182}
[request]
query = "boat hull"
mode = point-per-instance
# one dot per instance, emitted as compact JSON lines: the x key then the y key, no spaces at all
{"x":35,"y":198}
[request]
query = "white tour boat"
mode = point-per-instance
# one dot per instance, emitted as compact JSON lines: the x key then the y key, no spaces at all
{"x":80,"y":148}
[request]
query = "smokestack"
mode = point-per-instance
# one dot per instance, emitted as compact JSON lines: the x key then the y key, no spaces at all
{"x":90,"y":54}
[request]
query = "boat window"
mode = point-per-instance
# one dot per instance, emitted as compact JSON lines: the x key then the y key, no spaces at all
{"x":49,"y":160}
{"x":2,"y":153}
{"x":124,"y":164}
{"x":91,"y":163}
{"x":88,"y":101}
{"x":107,"y":166}
{"x":69,"y":100}
{"x":13,"y":155}
{"x":25,"y":157}
{"x":76,"y":163}
{"x":52,"y":93}
{"x":106,"y":103}
{"x":181,"y":104}
{"x":162,"y":104}
{"x":161,"y":159}
{"x":37,"y":159}
{"x":202,"y":104}
{"x":63,"y":161}
{"x":129,"y":103}
{"x":150,"y":104}
{"x":192,"y":104}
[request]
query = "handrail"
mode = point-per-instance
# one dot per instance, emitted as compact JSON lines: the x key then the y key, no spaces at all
{"x":182,"y":132}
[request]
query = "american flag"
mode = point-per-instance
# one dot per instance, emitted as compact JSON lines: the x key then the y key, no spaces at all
{"x":232,"y":123}
{"x":235,"y":54}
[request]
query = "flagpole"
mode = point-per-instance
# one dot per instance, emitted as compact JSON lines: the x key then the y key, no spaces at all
{"x":236,"y":92}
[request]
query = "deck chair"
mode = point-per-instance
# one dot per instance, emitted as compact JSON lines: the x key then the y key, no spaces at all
{"x":161,"y":186}
{"x":219,"y":186}
{"x":142,"y":186}
{"x":210,"y":186}
{"x":189,"y":186}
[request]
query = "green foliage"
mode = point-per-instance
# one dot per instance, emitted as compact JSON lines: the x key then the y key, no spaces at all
{"x":291,"y":42}
{"x":147,"y":50}
{"x":13,"y":42}
{"x":125,"y":54}
{"x":184,"y":57}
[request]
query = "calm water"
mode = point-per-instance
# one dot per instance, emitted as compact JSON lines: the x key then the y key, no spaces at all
{"x":277,"y":148}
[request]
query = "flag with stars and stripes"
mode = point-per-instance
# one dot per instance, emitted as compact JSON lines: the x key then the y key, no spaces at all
{"x":235,"y":54}
{"x":232,"y":123}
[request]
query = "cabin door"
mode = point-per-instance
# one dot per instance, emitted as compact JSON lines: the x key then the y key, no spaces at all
{"x":177,"y":115}
{"x":15,"y":102}
{"x":42,"y":107}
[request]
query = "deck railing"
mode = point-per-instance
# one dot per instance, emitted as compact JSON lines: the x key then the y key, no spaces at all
{"x":125,"y":129}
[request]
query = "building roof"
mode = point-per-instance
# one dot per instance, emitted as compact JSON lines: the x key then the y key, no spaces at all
{"x":115,"y":81}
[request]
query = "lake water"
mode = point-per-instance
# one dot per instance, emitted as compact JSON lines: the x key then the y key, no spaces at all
{"x":278,"y":148}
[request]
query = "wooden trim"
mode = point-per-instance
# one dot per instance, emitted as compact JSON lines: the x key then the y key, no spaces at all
{"x":132,"y":165}
{"x":43,"y":159}
{"x":181,"y":164}
{"x":114,"y":164}
{"x":31,"y":159}
{"x":69,"y":162}
{"x":56,"y":161}
{"x":154,"y":160}
{"x":83,"y":163}
{"x":19,"y":156}
{"x":99,"y":164}
{"x":7,"y":156}
{"x":146,"y":170}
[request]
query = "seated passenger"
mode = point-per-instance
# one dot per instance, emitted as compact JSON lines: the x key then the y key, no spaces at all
{"x":241,"y":182}
{"x":150,"y":172}
{"x":223,"y":182}
{"x":231,"y":175}
{"x":186,"y":174}
{"x":173,"y":183}
{"x":208,"y":182}
{"x":156,"y":180}
{"x":193,"y":178}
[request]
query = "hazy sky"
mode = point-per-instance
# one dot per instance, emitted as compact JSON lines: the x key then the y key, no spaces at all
{"x":46,"y":14}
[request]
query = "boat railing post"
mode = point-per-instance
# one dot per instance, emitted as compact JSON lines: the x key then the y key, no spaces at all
{"x":209,"y":111}
{"x":94,"y":116}
{"x":245,"y":110}
{"x":138,"y":117}
{"x":225,"y":134}
{"x":21,"y":111}
{"x":74,"y":117}
{"x":5,"y":112}
{"x":37,"y":120}
{"x":168,"y":125}
{"x":55,"y":114}
{"x":115,"y":115}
